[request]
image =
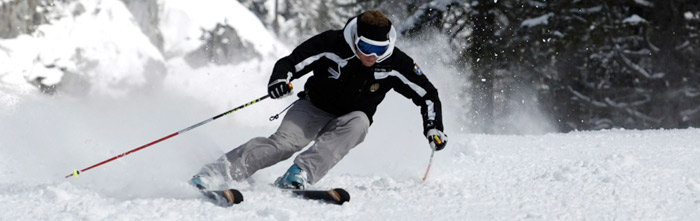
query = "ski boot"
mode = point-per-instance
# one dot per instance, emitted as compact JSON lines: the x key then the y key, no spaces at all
{"x":200,"y":182}
{"x":294,"y":178}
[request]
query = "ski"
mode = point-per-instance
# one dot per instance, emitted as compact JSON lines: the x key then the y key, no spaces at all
{"x":224,"y":198}
{"x":336,"y":196}
{"x":230,"y":197}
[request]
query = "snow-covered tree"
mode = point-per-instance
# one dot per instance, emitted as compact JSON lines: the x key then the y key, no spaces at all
{"x":593,"y":64}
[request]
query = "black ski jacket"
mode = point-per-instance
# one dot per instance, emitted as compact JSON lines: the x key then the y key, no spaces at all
{"x":341,"y":84}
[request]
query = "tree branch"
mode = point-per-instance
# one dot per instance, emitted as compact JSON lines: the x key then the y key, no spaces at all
{"x":634,"y":67}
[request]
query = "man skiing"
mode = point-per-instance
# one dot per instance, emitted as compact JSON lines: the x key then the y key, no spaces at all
{"x":353,"y":69}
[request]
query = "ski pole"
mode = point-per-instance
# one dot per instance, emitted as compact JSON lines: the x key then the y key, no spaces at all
{"x":77,"y":172}
{"x":430,"y":162}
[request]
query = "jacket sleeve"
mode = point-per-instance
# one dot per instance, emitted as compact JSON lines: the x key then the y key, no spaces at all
{"x":300,"y":61}
{"x":414,"y":85}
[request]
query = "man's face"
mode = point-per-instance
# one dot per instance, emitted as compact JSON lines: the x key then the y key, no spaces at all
{"x":367,"y":61}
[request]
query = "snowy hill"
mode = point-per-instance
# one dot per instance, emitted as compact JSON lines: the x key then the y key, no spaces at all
{"x":629,"y":175}
{"x":113,"y":102}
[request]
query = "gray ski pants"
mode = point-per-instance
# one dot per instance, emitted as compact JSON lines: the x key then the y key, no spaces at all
{"x":334,"y":137}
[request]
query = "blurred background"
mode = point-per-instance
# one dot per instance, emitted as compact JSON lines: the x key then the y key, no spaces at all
{"x":569,"y":65}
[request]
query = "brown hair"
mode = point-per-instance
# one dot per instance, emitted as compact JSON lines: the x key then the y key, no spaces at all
{"x":375,"y":18}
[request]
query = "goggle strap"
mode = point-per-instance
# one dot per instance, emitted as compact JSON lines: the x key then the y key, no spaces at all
{"x":373,"y":42}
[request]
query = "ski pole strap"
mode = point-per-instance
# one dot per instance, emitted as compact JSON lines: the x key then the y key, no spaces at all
{"x":277,"y":116}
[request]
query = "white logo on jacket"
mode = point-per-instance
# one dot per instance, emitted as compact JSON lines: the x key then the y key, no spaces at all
{"x":334,"y":74}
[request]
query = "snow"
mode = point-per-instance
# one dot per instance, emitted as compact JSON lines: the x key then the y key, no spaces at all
{"x":5,"y":1}
{"x":184,"y":20}
{"x":601,"y":175}
{"x":644,"y":3}
{"x":541,"y":20}
{"x":634,"y":20}
{"x":102,"y":43}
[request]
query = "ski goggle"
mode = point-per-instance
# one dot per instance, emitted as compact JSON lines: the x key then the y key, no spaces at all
{"x":370,"y":47}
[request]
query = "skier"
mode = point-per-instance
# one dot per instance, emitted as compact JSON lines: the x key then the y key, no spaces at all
{"x":353,"y":69}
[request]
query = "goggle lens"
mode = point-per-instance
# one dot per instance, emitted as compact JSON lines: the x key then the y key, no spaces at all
{"x":368,"y":49}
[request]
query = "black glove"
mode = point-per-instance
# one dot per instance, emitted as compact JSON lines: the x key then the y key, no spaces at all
{"x":278,"y":89}
{"x":437,"y":139}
